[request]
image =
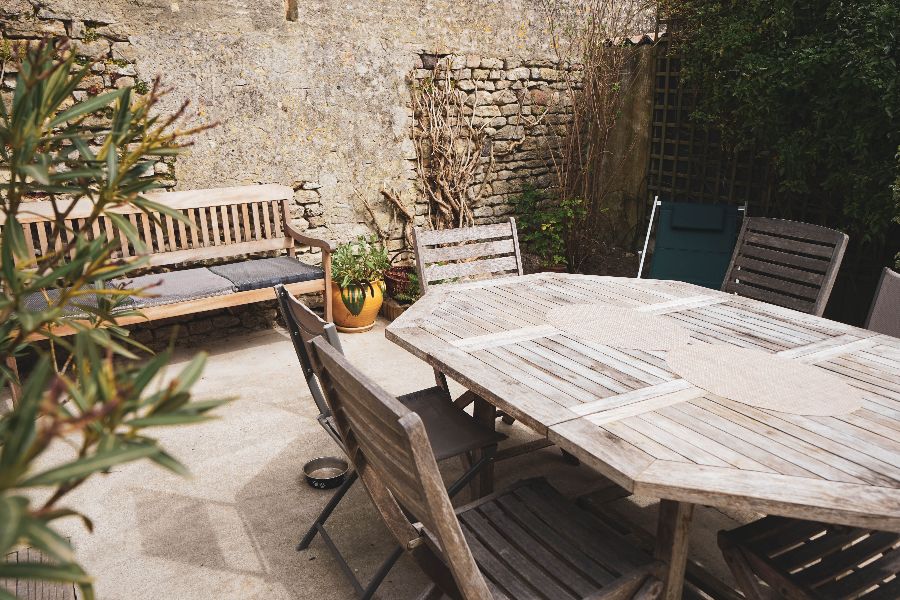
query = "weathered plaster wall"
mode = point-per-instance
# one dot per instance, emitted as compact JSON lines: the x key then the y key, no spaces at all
{"x":320,"y":103}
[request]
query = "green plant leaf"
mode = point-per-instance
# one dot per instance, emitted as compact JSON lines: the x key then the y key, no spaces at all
{"x":40,"y":535}
{"x":44,"y":572}
{"x":87,"y":106}
{"x":13,"y":510}
{"x":89,"y":465}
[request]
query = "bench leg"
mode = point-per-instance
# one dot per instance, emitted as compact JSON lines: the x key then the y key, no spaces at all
{"x":326,"y":266}
{"x":15,"y":387}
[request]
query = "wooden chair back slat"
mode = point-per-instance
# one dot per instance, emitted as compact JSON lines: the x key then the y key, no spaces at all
{"x":786,"y":263}
{"x":216,"y":229}
{"x":467,"y":253}
{"x":389,"y":447}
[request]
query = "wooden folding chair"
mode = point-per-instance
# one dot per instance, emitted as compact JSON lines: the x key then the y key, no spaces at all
{"x":786,"y":263}
{"x":525,"y":542}
{"x":453,"y":431}
{"x":480,"y":252}
{"x":778,"y":557}
{"x":884,"y":316}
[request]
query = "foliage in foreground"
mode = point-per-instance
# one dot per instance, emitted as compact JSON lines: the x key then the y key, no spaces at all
{"x":816,"y":83}
{"x":89,"y":390}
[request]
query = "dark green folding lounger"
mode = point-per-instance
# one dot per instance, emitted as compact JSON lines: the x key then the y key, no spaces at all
{"x":694,"y":242}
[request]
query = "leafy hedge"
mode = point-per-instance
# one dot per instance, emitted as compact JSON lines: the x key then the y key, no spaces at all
{"x":814,"y":82}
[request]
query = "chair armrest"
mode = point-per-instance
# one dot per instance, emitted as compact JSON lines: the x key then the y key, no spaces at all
{"x":306,"y":240}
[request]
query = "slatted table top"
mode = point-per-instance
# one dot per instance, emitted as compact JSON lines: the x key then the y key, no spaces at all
{"x":626,"y":414}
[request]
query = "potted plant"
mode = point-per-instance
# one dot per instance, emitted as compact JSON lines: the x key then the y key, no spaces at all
{"x":357,"y":272}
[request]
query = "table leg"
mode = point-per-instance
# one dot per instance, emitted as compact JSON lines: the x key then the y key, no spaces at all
{"x":672,"y":530}
{"x":483,"y":483}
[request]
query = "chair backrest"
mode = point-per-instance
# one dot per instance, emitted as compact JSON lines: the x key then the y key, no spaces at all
{"x":467,"y":253}
{"x":884,"y":316}
{"x":786,"y":263}
{"x":389,"y":448}
{"x":694,"y":242}
{"x":303,"y":326}
{"x":224,"y":222}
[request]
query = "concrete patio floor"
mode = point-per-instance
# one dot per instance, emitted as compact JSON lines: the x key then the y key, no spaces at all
{"x":229,"y":531}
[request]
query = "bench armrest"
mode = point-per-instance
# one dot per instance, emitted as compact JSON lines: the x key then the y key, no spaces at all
{"x":306,"y":240}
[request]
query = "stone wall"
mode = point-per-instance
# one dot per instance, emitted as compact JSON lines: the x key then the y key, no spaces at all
{"x":96,"y":40}
{"x":523,"y":104}
{"x":319,"y":101}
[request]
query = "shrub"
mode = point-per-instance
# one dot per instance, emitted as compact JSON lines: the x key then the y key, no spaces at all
{"x":545,"y":225}
{"x":89,"y":390}
{"x":815,"y":83}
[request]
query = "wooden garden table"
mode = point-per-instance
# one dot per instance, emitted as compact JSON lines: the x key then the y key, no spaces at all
{"x":624,"y":413}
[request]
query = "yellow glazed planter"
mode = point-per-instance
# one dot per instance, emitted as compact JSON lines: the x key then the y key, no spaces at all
{"x":366,"y":299}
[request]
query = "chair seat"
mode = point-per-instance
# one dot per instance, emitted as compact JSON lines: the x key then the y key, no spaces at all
{"x":266,"y":272}
{"x":530,"y":541}
{"x":806,"y":559}
{"x":450,"y":429}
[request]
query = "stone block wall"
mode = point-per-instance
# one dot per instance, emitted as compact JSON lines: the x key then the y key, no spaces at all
{"x":525,"y":106}
{"x":94,"y":39}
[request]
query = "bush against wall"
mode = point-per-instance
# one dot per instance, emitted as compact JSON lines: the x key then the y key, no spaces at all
{"x":816,"y":83}
{"x":593,"y":152}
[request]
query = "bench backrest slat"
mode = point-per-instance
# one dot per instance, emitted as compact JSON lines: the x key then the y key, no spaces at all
{"x":220,"y":224}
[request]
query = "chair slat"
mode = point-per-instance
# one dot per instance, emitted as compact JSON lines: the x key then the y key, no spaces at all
{"x":467,"y":269}
{"x":158,"y":232}
{"x":462,"y":234}
{"x":779,"y":243}
{"x":194,"y":229}
{"x":245,"y":221}
{"x":280,"y":216}
{"x":786,"y":263}
{"x":215,"y":230}
{"x":170,"y":232}
{"x":257,"y":227}
{"x":204,"y":225}
{"x":183,"y":242}
{"x":267,"y":218}
{"x":477,"y":250}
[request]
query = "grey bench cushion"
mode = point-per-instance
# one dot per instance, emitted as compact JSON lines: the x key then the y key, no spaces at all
{"x":38,"y":302}
{"x":266,"y":272}
{"x":178,"y":286}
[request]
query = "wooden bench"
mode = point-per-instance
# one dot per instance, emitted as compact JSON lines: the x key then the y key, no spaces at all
{"x":227,"y":225}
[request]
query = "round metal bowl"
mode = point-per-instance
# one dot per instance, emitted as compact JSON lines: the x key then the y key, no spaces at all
{"x":325,"y":472}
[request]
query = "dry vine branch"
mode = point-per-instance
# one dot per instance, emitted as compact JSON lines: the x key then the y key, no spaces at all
{"x":586,"y":163}
{"x":399,"y":214}
{"x":453,"y":148}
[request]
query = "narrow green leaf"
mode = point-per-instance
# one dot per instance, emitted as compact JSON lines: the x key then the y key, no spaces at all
{"x":89,"y":465}
{"x":169,"y":462}
{"x":88,"y":106}
{"x":190,"y":373}
{"x":12,"y":512}
{"x":44,"y":572}
{"x":40,"y":535}
{"x":168,"y":419}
